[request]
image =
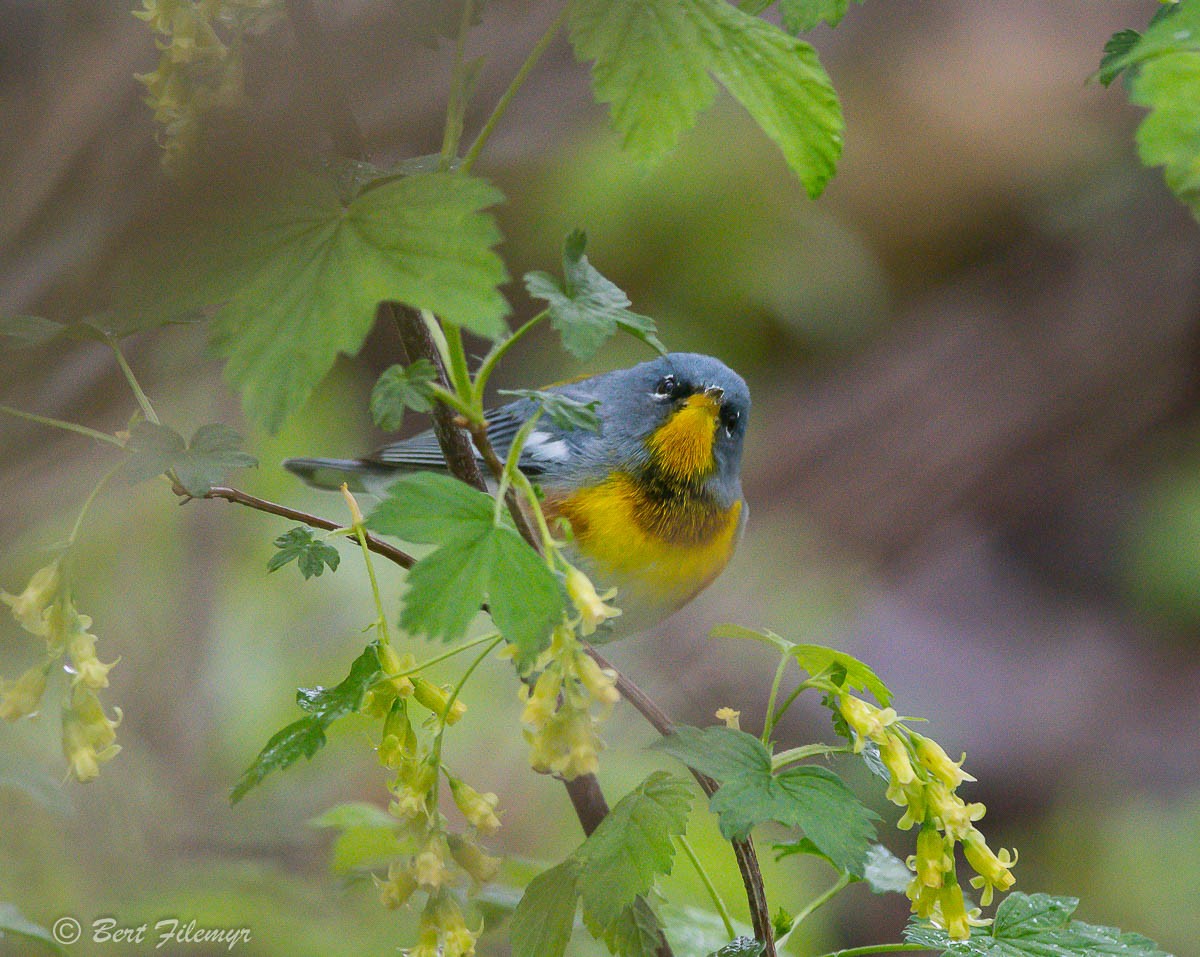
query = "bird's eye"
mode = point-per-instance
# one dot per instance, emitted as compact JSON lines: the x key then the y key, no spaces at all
{"x":731,"y":422}
{"x":666,"y":386}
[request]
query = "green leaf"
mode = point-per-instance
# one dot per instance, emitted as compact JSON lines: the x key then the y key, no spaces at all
{"x":366,"y":835}
{"x":635,"y":932}
{"x":1035,"y":925}
{"x":1112,"y":64}
{"x":310,"y":554}
{"x":846,"y":670}
{"x":305,"y":737}
{"x":14,"y":923}
{"x":30,"y":331}
{"x":586,"y":308}
{"x":632,"y":845}
{"x":542,"y":923}
{"x":800,"y":16}
{"x":781,"y":83}
{"x":741,"y":947}
{"x":694,"y":932}
{"x":477,"y":561}
{"x":211,"y":455}
{"x":297,"y":276}
{"x":400,"y":388}
{"x":813,"y":799}
{"x":564,"y":412}
{"x":649,"y":64}
{"x":1169,"y":86}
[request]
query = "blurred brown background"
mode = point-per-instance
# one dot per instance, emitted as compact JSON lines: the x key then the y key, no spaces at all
{"x":971,"y":459}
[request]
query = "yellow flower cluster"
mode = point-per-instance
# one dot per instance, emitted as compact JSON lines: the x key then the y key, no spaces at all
{"x":561,"y":728}
{"x":198,"y":71}
{"x":45,"y":609}
{"x":924,"y":782}
{"x":439,"y":858}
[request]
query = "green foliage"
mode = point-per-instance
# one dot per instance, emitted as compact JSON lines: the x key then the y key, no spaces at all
{"x":587,"y":309}
{"x":298,"y":274}
{"x":842,"y":669}
{"x":652,"y":60}
{"x":479,"y":558}
{"x":366,"y":836}
{"x":741,"y":947}
{"x":800,"y":16}
{"x":1165,"y":67}
{"x":399,"y":388}
{"x":15,"y":924}
{"x":610,"y":872}
{"x":29,"y":331}
{"x":197,"y":465}
{"x":1035,"y":925}
{"x":564,"y":412}
{"x":310,"y":554}
{"x":304,"y":738}
{"x":813,"y":799}
{"x":542,"y":923}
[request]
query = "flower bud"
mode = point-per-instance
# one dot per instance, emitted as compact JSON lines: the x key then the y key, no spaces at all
{"x":601,"y":683}
{"x":588,"y":603}
{"x":470,"y":857}
{"x":437,"y":699}
{"x":30,"y":607}
{"x":894,"y":754}
{"x":730,"y":717}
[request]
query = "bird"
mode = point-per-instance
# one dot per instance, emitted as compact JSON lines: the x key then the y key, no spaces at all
{"x":653,"y":498}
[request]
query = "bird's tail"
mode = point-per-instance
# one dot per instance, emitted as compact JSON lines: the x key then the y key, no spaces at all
{"x":359,"y":476}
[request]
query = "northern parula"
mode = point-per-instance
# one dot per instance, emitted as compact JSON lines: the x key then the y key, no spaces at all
{"x":654,"y":498}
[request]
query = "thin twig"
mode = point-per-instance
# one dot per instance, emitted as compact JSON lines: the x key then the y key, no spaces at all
{"x":238,"y":497}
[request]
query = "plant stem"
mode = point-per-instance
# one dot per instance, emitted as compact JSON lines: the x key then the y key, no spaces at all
{"x":771,"y":716}
{"x":878,"y":949}
{"x":792,"y":755}
{"x":820,"y":900}
{"x":462,"y":681}
{"x":143,"y":400}
{"x":709,"y":886}
{"x":460,"y":377}
{"x":506,"y":98}
{"x":496,"y":353}
{"x":360,"y":532}
{"x":62,"y":424}
{"x":377,"y":545}
{"x":803,"y":686}
{"x":456,"y":104}
{"x":87,"y":503}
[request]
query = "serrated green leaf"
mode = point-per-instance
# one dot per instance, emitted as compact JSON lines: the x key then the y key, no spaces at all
{"x":1112,"y":63}
{"x":717,"y":751}
{"x":542,"y":923}
{"x":848,"y":671}
{"x":399,"y":388}
{"x":800,"y":16}
{"x":631,"y":846}
{"x":428,"y":508}
{"x":211,"y":455}
{"x":1169,"y":86}
{"x":310,"y":553}
{"x":781,"y":83}
{"x":648,"y":64}
{"x":586,"y":308}
{"x":741,"y":947}
{"x":741,"y":633}
{"x":297,"y":276}
{"x":15,"y":924}
{"x":811,"y":798}
{"x":635,"y":932}
{"x":306,"y":737}
{"x":564,"y":412}
{"x":29,"y":331}
{"x":477,"y":561}
{"x":1035,"y":925}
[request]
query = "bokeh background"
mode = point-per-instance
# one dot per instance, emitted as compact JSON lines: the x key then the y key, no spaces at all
{"x":971,"y":460}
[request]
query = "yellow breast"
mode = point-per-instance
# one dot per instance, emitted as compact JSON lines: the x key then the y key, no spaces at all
{"x":658,"y":552}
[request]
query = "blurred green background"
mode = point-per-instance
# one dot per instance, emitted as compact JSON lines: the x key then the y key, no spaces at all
{"x":971,"y":461}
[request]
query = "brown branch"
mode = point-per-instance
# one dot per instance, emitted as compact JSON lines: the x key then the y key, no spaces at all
{"x":479,"y":434}
{"x":238,"y":497}
{"x":327,"y":93}
{"x":747,"y":857}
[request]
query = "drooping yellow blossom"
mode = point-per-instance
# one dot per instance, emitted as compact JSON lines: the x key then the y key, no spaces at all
{"x":867,"y":721}
{"x":89,"y":670}
{"x":931,"y":755}
{"x":591,"y":606}
{"x":437,"y":700}
{"x":730,"y":717}
{"x":429,"y":867}
{"x":993,"y":869}
{"x":480,"y":867}
{"x":88,"y":735}
{"x":30,"y":607}
{"x":478,"y":809}
{"x":398,"y":887}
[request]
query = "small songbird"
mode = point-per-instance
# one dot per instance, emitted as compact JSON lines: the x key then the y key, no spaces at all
{"x":654,"y":498}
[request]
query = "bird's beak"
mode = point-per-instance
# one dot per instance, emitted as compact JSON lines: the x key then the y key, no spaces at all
{"x":716,"y":393}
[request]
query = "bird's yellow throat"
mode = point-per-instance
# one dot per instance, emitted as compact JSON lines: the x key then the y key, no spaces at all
{"x":682,"y":447}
